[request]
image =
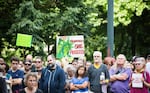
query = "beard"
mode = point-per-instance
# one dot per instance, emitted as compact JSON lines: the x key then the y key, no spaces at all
{"x":50,"y":66}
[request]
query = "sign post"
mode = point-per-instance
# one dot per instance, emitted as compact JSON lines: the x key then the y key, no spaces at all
{"x":110,"y":29}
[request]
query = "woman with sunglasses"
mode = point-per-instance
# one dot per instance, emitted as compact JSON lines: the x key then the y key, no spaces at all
{"x":140,"y":79}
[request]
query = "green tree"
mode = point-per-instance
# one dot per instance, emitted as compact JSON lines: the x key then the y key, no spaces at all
{"x":46,"y":19}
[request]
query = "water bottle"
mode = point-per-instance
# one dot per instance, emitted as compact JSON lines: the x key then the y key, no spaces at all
{"x":102,"y":76}
{"x":103,"y":86}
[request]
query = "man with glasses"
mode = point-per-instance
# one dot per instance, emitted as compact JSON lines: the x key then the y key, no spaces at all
{"x":17,"y":75}
{"x":119,"y":75}
{"x":52,"y":78}
{"x":38,"y":62}
{"x":27,"y":66}
{"x":97,"y":70}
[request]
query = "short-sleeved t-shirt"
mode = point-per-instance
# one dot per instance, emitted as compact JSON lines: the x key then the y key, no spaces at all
{"x":80,"y":81}
{"x":120,"y":86}
{"x":15,"y":75}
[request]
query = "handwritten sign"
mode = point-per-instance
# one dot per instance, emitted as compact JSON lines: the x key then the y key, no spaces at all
{"x":24,"y":40}
{"x":70,"y":46}
{"x":137,"y":82}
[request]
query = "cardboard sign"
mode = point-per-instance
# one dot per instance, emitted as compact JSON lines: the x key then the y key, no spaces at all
{"x":70,"y":46}
{"x":24,"y":40}
{"x":137,"y":82}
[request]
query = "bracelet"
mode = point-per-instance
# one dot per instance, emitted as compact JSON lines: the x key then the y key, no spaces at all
{"x":107,"y":81}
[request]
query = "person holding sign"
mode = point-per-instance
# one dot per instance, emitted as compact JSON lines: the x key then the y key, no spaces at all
{"x":140,"y":79}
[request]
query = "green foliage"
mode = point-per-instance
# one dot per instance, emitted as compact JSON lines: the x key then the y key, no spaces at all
{"x":98,"y":43}
{"x":124,"y":10}
{"x":46,"y":19}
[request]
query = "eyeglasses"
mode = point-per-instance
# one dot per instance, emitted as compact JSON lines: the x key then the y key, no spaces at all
{"x":2,"y":64}
{"x":28,"y":64}
{"x":137,"y":64}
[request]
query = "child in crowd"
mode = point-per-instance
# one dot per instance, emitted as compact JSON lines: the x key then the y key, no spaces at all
{"x":79,"y":84}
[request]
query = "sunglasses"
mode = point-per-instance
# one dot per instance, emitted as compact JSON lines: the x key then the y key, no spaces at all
{"x":28,"y":64}
{"x":2,"y":64}
{"x":137,"y":64}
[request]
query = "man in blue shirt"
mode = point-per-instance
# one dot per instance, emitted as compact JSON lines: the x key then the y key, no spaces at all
{"x":17,"y":75}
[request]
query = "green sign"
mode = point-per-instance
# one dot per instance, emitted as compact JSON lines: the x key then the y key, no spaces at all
{"x":24,"y":40}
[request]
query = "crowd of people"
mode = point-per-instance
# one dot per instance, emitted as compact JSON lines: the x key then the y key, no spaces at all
{"x":111,"y":75}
